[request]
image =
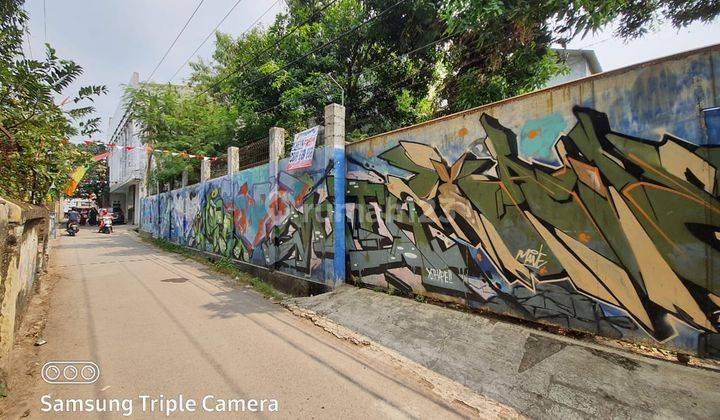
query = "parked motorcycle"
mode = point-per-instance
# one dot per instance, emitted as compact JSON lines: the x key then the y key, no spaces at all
{"x":72,"y":228}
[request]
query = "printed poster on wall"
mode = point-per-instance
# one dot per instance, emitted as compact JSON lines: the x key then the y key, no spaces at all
{"x":301,"y":154}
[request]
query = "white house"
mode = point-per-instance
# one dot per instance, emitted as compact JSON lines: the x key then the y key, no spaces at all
{"x":582,"y":63}
{"x":128,"y":168}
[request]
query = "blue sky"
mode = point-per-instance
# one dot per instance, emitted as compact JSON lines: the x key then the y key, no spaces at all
{"x":113,"y":38}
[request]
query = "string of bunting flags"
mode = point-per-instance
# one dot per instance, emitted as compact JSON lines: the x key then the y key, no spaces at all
{"x":150,"y":149}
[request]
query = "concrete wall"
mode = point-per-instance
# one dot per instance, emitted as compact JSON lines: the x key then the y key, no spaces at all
{"x":23,"y":244}
{"x":592,"y":205}
{"x":286,"y":228}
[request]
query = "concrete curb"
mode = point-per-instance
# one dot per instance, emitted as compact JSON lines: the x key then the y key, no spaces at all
{"x":453,"y":393}
{"x":535,"y":373}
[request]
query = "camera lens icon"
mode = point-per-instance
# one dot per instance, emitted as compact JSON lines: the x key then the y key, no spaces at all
{"x":58,"y":372}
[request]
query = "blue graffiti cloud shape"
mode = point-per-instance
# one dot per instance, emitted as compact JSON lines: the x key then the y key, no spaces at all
{"x":537,"y":140}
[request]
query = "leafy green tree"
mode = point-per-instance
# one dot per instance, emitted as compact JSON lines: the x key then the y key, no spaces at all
{"x":413,"y":60}
{"x":35,"y":154}
{"x":632,"y":18}
{"x":95,"y":182}
{"x":383,"y":84}
{"x":175,"y":118}
{"x":502,"y":48}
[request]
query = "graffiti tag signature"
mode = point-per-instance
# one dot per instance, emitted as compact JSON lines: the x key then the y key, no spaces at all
{"x":533,"y":258}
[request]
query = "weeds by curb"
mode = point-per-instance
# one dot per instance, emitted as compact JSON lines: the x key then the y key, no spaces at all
{"x":222,"y":265}
{"x":226,"y":266}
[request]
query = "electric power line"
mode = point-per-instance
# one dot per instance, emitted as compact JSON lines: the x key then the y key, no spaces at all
{"x":596,"y":43}
{"x":27,"y":36}
{"x":208,"y":37}
{"x":261,"y":16}
{"x":45,"y":20}
{"x":381,"y":63}
{"x":282,"y":38}
{"x":175,"y":40}
{"x":330,"y":42}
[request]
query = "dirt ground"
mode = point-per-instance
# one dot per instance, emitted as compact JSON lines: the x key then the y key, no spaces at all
{"x":23,"y":370}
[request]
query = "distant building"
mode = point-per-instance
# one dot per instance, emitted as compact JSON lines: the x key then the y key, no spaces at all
{"x":69,"y":203}
{"x":128,"y":168}
{"x":582,"y":63}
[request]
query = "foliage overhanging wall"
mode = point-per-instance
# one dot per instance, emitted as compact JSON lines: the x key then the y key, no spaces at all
{"x":592,"y":206}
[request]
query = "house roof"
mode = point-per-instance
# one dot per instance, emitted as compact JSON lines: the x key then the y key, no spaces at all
{"x":587,"y":55}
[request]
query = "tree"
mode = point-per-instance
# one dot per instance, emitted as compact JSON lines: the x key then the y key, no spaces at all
{"x":383,"y":84}
{"x":35,"y":153}
{"x":176,"y":118}
{"x":95,"y":182}
{"x":502,"y":48}
{"x":632,"y":18}
{"x":402,"y":62}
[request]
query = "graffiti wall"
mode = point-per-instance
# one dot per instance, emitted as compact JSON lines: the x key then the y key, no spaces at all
{"x":149,"y":211}
{"x":282,"y":222}
{"x":592,"y":206}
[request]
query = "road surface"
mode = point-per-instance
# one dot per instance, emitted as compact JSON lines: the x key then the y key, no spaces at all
{"x":160,"y":326}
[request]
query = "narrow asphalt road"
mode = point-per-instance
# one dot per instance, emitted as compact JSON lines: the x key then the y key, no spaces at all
{"x":159,"y":326}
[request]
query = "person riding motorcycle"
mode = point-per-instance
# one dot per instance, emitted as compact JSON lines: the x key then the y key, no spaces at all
{"x":105,"y":220}
{"x":73,"y":216}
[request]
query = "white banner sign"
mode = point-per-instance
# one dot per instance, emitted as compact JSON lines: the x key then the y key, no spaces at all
{"x":303,"y":147}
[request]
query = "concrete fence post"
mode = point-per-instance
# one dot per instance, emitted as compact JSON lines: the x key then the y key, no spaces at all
{"x":185,"y":178}
{"x":335,"y":143}
{"x":233,"y":160}
{"x":205,"y":170}
{"x":276,"y":145}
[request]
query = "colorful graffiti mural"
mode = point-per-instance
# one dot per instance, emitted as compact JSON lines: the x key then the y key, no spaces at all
{"x":608,"y":233}
{"x":282,"y":223}
{"x":592,"y":206}
{"x":149,"y":215}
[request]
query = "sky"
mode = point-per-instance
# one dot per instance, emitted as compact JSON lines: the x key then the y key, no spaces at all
{"x":111,"y":39}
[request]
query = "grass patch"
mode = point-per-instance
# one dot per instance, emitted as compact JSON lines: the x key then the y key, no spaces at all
{"x":222,"y":265}
{"x":170,"y":247}
{"x":226,"y":266}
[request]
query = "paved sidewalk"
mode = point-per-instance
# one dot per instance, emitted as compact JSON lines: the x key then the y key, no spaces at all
{"x":540,"y":374}
{"x":161,"y":325}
